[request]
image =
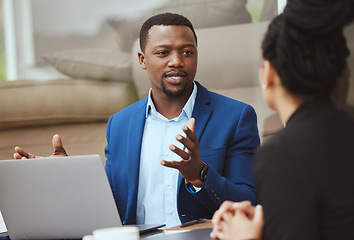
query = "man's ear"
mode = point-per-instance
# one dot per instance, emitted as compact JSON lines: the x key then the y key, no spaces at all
{"x":141,"y":58}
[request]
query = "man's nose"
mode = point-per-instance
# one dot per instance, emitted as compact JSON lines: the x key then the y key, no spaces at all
{"x":176,"y":60}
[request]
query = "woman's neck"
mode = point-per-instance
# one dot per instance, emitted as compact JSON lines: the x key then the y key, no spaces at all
{"x":288,"y":105}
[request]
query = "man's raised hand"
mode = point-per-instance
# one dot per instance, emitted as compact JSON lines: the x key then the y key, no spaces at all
{"x":191,"y":163}
{"x":59,"y":150}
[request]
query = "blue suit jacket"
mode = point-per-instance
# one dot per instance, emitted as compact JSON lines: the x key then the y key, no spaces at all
{"x":228,"y":136}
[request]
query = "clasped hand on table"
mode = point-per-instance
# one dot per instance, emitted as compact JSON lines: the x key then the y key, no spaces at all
{"x":237,"y":220}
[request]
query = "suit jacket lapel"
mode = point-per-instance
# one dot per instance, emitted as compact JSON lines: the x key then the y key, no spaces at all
{"x":201,"y":112}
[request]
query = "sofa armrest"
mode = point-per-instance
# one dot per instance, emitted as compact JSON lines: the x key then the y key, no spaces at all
{"x":29,"y":103}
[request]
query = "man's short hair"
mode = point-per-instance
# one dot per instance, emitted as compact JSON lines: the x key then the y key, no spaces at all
{"x":164,"y":19}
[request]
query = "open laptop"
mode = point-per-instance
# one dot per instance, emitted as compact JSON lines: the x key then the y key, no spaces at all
{"x":57,"y":198}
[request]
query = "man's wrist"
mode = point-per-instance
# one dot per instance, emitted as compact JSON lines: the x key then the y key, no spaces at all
{"x":197,"y":183}
{"x":202,"y":176}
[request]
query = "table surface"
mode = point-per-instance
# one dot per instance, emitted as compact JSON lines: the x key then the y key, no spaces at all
{"x":198,"y":231}
{"x":198,"y":234}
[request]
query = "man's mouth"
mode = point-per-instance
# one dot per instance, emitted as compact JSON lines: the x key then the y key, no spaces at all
{"x":175,"y":77}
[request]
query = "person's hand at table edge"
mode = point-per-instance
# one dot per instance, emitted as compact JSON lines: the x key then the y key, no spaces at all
{"x":59,"y":150}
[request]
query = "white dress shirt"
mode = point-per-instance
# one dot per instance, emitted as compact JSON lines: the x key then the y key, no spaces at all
{"x":157,"y":191}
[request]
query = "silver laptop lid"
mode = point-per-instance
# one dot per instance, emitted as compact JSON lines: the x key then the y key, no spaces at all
{"x":48,"y":198}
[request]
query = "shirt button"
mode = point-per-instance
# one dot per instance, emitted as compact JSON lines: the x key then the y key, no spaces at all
{"x":169,"y":123}
{"x":170,"y":212}
{"x":168,"y":183}
{"x":167,"y":153}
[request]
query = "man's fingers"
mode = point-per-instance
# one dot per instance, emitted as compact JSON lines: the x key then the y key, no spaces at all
{"x":58,"y":146}
{"x":189,"y":130}
{"x":22,"y":154}
{"x":17,"y":156}
{"x":191,"y":124}
{"x":171,"y":164}
{"x":183,"y":154}
{"x":188,"y":144}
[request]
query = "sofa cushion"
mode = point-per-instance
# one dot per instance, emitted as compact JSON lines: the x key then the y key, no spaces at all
{"x":36,"y":103}
{"x":97,"y":64}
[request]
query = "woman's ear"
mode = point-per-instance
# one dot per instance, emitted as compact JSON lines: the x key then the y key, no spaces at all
{"x":270,"y":76}
{"x":263,"y":74}
{"x":267,"y":82}
{"x":141,"y":58}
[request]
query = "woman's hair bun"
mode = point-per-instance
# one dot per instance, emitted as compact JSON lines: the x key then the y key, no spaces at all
{"x":306,"y":45}
{"x":318,"y":17}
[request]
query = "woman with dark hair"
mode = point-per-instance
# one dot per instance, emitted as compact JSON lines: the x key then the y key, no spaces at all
{"x":304,"y":174}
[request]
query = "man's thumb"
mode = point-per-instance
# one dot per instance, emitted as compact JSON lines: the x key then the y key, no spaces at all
{"x":191,"y":124}
{"x":58,"y":145}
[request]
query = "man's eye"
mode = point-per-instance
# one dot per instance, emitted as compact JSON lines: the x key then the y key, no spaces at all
{"x":188,"y":52}
{"x":161,"y":53}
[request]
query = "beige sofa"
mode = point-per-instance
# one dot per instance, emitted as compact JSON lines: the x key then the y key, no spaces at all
{"x":77,"y":108}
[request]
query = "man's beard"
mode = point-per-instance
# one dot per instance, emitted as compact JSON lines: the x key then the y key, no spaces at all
{"x":173,"y":94}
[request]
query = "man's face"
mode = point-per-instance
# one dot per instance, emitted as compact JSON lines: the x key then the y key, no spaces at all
{"x":170,"y":59}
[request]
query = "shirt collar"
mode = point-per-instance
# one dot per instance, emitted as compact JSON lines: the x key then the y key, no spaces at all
{"x":187,"y":109}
